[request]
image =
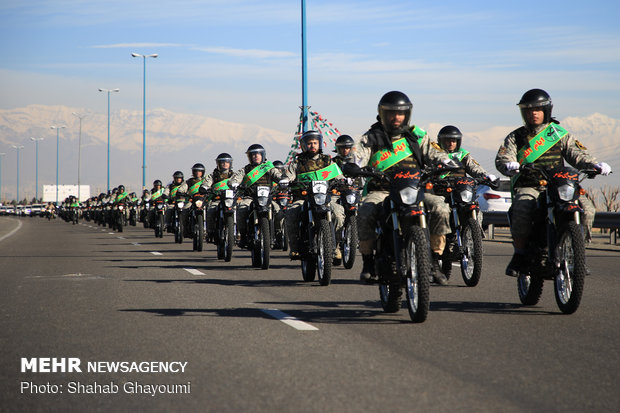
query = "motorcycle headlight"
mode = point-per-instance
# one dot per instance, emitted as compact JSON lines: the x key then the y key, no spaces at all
{"x":320,"y":199}
{"x":466,"y":195}
{"x":409,"y":195}
{"x":199,"y":203}
{"x":180,"y":204}
{"x":160,"y":206}
{"x":229,"y":202}
{"x":351,"y":198}
{"x":566,"y":192}
{"x":263,"y":200}
{"x":283,"y":201}
{"x":120,"y":207}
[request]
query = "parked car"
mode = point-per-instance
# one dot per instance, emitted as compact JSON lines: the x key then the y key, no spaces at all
{"x":495,"y":199}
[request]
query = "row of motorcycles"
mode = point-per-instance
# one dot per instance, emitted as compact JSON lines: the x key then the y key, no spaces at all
{"x":402,"y":256}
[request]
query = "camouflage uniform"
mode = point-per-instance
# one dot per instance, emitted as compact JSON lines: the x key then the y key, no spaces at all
{"x":211,"y":179}
{"x":526,"y":189}
{"x":182,"y":189}
{"x":271,"y":176}
{"x":370,"y":207}
{"x":302,"y":164}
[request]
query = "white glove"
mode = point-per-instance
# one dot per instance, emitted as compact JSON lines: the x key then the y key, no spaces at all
{"x":512,"y":166}
{"x":603,"y":167}
{"x":492,"y":178}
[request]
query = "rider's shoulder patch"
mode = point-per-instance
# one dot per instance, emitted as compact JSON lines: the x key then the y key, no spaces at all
{"x":434,"y":144}
{"x":580,"y":145}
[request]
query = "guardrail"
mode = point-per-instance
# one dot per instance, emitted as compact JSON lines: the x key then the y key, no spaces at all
{"x":610,"y":220}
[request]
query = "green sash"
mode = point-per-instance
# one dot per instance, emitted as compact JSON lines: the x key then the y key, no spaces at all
{"x":220,"y":186}
{"x":456,"y":156}
{"x":257,"y":173}
{"x":194,"y":188}
{"x":173,"y":191}
{"x":325,"y":174}
{"x":385,"y":158}
{"x":75,"y":205}
{"x":120,"y":197}
{"x":157,"y":194}
{"x":541,"y":143}
{"x":537,"y":146}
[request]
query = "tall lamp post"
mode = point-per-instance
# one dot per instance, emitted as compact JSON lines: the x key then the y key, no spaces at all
{"x":18,"y":148}
{"x":144,"y":113}
{"x":58,"y":128}
{"x":108,"y":91}
{"x":1,"y":155}
{"x":36,"y":167}
{"x":80,"y":116}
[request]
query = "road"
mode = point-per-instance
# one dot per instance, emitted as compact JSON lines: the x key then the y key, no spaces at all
{"x":79,"y":291}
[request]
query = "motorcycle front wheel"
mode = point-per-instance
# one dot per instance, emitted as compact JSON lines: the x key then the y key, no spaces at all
{"x":229,"y":238}
{"x":569,"y":278}
{"x":471,"y":261}
{"x":419,"y":268}
{"x":199,"y":233}
{"x":530,"y":289}
{"x":178,"y":231}
{"x":264,"y":241}
{"x":349,"y":242}
{"x":325,"y":251}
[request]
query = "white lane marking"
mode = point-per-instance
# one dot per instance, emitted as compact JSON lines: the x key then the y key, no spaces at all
{"x":156,"y":253}
{"x":120,"y":237}
{"x":111,"y":233}
{"x":194,"y":271}
{"x":19,"y":225}
{"x":290,"y":320}
{"x":136,"y":244}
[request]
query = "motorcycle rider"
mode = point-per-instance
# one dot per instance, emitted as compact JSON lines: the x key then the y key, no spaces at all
{"x":259,"y":171}
{"x":344,"y":147}
{"x":156,"y":192}
{"x":176,"y":189}
{"x":193,"y":185}
{"x":394,"y":114}
{"x":279,"y":226}
{"x":216,"y":181}
{"x":553,"y":146}
{"x":310,"y":159}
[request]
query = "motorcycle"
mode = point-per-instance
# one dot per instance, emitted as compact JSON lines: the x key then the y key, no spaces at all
{"x":119,"y":216}
{"x":349,"y":199}
{"x":133,"y":214}
{"x":144,"y":213}
{"x":464,"y":243}
{"x":283,"y":198}
{"x":177,"y":219}
{"x":160,"y":209}
{"x":402,"y":256}
{"x":260,"y":225}
{"x":557,"y":241}
{"x":225,"y":224}
{"x":317,"y":238}
{"x":197,"y":221}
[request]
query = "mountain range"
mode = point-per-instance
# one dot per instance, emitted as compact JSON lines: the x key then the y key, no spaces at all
{"x":177,"y":141}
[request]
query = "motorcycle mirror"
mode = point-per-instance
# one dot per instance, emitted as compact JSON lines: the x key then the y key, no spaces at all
{"x":202,"y":190}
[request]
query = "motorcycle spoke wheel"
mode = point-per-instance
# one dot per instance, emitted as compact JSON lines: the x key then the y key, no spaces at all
{"x":471,"y":261}
{"x":418,"y":264}
{"x":324,"y":252}
{"x":569,"y":278}
{"x":529,"y":288}
{"x":350,"y":242}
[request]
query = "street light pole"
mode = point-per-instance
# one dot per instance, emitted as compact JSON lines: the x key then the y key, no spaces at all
{"x":18,"y":148}
{"x":36,"y":167}
{"x":144,"y":113}
{"x":80,"y":117}
{"x":58,"y":128}
{"x":108,"y":92}
{"x":1,"y":155}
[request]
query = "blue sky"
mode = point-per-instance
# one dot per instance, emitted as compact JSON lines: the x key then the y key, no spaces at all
{"x":464,"y":63}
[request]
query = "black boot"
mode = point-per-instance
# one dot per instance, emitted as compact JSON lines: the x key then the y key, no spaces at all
{"x":438,"y":276}
{"x":368,"y":271}
{"x":518,"y":264}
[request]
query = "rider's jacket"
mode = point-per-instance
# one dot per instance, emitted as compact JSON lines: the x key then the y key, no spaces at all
{"x":549,"y":145}
{"x":217,"y":179}
{"x":173,"y":190}
{"x":156,"y":193}
{"x":194,"y":184}
{"x":263,"y":174}
{"x":306,"y":162}
{"x":412,"y":149}
{"x":120,"y":197}
{"x":470,"y":166}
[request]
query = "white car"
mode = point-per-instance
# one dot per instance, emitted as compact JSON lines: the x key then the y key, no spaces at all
{"x":495,"y":199}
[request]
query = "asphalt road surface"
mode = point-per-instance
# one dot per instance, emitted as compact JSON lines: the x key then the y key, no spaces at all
{"x":238,"y":339}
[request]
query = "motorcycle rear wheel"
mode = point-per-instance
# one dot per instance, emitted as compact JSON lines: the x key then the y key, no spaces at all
{"x":569,"y":278}
{"x":529,"y":288}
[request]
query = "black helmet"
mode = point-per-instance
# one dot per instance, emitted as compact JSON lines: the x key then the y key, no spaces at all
{"x":344,"y":141}
{"x":536,"y":98}
{"x":449,"y":132}
{"x":157,"y":182}
{"x":223,"y":157}
{"x":121,"y":188}
{"x":256,"y":148}
{"x":279,"y":164}
{"x":177,"y":174}
{"x":198,"y":167}
{"x":308,"y":136}
{"x":394,"y":101}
